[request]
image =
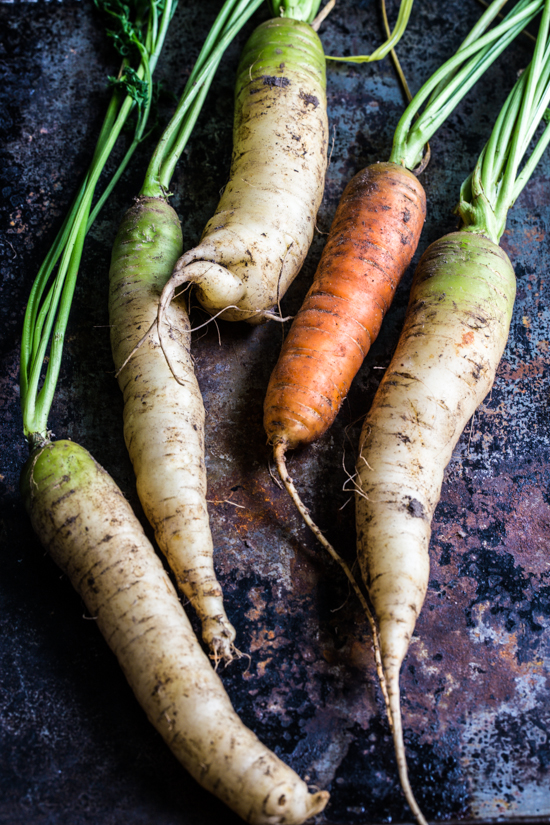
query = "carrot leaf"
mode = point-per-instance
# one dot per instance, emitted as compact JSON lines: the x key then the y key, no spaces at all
{"x":142,"y":29}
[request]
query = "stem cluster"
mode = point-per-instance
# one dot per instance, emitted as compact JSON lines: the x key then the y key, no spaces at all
{"x":51,"y":296}
{"x":451,"y":82}
{"x":494,"y":185}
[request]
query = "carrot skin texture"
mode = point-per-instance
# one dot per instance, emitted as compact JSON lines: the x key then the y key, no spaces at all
{"x":445,"y":363}
{"x":255,"y":244}
{"x":164,"y":419}
{"x":92,"y":534}
{"x":374,"y":235}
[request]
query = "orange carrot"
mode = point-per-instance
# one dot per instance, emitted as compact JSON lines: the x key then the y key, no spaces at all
{"x":373,"y":237}
{"x":372,"y":240}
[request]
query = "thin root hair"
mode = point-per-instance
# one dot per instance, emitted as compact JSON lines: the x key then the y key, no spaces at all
{"x":279,"y":282}
{"x":274,"y":477}
{"x":141,"y":341}
{"x":279,"y":456}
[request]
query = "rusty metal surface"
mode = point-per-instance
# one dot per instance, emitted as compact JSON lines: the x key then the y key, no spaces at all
{"x":74,"y":746}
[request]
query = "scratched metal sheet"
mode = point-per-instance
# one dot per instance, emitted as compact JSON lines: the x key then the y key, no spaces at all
{"x":74,"y":745}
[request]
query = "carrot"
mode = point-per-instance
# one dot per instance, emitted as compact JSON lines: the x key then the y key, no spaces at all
{"x":254,"y":245}
{"x":454,"y":334}
{"x":372,"y":240}
{"x":90,"y":531}
{"x":445,"y":363}
{"x":256,"y":242}
{"x":164,"y":418}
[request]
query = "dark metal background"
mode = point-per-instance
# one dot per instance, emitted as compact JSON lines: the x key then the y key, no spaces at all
{"x":74,"y":746}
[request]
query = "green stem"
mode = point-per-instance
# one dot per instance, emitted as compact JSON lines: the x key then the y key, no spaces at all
{"x":47,"y":311}
{"x":476,"y":31}
{"x":405,"y":9}
{"x":45,"y":271}
{"x":45,"y":396}
{"x":453,"y":80}
{"x":233,"y":16}
{"x":525,"y":118}
{"x":489,"y":192}
{"x":303,"y":10}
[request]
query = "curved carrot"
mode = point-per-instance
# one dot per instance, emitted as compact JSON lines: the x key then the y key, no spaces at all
{"x":92,"y":534}
{"x":372,"y":240}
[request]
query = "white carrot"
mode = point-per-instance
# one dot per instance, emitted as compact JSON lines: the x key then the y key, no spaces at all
{"x":90,"y":531}
{"x":254,"y":246}
{"x":445,"y":363}
{"x":164,"y":418}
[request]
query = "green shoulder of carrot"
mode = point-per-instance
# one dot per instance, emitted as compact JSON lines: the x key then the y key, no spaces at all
{"x":372,"y":241}
{"x":455,"y":331}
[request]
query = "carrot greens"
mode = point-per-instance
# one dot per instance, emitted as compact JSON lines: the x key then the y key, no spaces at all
{"x":494,"y":185}
{"x":448,"y":85}
{"x":304,"y":10}
{"x":140,"y":31}
{"x":231,"y":19}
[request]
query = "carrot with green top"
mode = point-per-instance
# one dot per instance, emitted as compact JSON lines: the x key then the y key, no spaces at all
{"x":445,"y":363}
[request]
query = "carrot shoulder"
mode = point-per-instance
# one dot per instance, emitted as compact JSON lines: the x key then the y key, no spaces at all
{"x":372,"y":240}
